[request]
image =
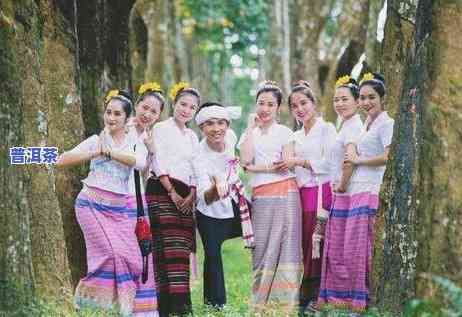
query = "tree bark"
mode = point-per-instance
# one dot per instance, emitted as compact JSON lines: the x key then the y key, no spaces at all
{"x":104,"y":59}
{"x":423,"y":182}
{"x":42,"y":103}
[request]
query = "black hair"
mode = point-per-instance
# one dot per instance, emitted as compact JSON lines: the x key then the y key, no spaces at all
{"x":209,"y":104}
{"x":185,"y":91}
{"x":303,"y":87}
{"x":270,"y":86}
{"x":352,"y":85}
{"x":125,"y":97}
{"x":152,"y":93}
{"x":378,"y":84}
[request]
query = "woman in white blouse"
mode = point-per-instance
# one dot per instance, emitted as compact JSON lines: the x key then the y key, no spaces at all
{"x":312,"y":147}
{"x":218,"y":215}
{"x":102,"y":210}
{"x":171,"y":195}
{"x":276,"y":209}
{"x":350,"y":230}
{"x":148,"y":108}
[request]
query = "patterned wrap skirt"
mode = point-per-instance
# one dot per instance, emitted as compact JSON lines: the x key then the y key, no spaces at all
{"x":113,"y":255}
{"x":173,"y":242}
{"x":277,"y":257}
{"x":348,"y":247}
{"x":312,"y":267}
{"x":145,"y":304}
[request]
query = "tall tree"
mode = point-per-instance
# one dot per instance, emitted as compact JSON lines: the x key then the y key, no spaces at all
{"x":158,"y":48}
{"x":41,"y":102}
{"x":312,"y":16}
{"x":424,"y":183}
{"x":104,"y":59}
{"x":351,"y":39}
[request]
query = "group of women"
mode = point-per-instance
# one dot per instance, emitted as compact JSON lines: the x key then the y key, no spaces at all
{"x":309,"y":223}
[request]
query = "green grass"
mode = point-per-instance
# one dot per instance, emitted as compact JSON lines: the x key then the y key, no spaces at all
{"x":238,"y":279}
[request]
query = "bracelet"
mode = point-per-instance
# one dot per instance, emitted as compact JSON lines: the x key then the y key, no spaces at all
{"x":321,"y":220}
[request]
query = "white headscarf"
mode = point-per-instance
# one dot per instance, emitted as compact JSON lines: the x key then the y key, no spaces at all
{"x":217,"y":112}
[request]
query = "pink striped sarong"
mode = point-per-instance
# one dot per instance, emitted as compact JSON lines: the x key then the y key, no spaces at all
{"x":113,"y":255}
{"x":312,"y":267}
{"x":348,"y":246}
{"x":277,"y":257}
{"x":145,"y":304}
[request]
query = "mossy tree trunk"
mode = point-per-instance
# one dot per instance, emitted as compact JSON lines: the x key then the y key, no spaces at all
{"x":424,"y":182}
{"x":41,"y":103}
{"x":104,"y":55}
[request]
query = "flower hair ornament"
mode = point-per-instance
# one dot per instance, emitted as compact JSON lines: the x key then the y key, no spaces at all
{"x":111,"y":94}
{"x":371,"y":77}
{"x":366,"y":77}
{"x":115,"y":93}
{"x":343,"y":81}
{"x":152,"y":86}
{"x":268,"y":84}
{"x":301,"y":83}
{"x":177,"y":88}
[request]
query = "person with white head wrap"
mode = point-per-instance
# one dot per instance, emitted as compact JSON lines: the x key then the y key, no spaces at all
{"x":222,"y":210}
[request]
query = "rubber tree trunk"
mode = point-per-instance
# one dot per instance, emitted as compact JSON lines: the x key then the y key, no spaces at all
{"x":40,"y":106}
{"x":424,"y":182}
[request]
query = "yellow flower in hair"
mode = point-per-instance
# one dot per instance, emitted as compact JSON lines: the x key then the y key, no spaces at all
{"x":111,"y":94}
{"x":152,"y":86}
{"x":342,"y":81}
{"x":177,"y":88}
{"x":366,"y":77}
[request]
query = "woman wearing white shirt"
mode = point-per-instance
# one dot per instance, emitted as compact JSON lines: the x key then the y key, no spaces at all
{"x":312,"y":147}
{"x":350,"y":230}
{"x":218,"y":215}
{"x":276,"y":209}
{"x":148,"y":108}
{"x":104,"y":215}
{"x":171,"y":194}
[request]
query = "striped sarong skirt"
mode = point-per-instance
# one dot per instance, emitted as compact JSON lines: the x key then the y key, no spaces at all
{"x":277,"y":258}
{"x":145,"y":304}
{"x":113,"y":255}
{"x":348,"y":247}
{"x":173,"y":241}
{"x":312,"y":267}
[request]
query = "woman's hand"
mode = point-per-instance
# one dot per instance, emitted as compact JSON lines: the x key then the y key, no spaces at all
{"x":176,"y":198}
{"x":351,"y":158}
{"x":284,"y":166}
{"x":98,"y":150}
{"x":253,"y":121}
{"x":105,"y":147}
{"x":339,"y":188}
{"x":187,"y":205}
{"x":149,"y":140}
